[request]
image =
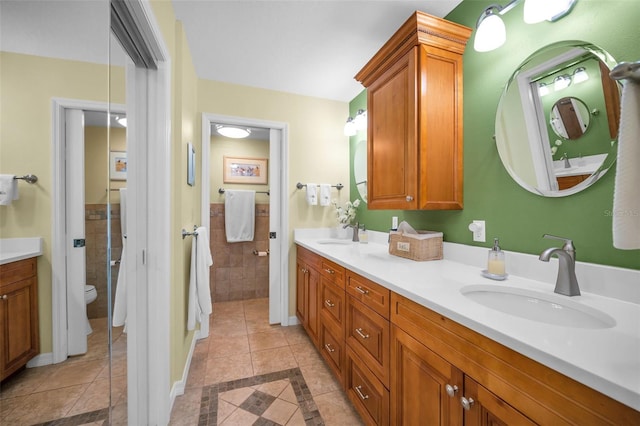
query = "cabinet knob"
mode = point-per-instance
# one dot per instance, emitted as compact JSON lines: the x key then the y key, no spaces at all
{"x":409,"y":198}
{"x":361,"y":333}
{"x":329,"y":303}
{"x":3,"y":297}
{"x":467,"y":403}
{"x":329,"y":348}
{"x":303,"y":270}
{"x":329,"y":271}
{"x":451,"y":390}
{"x":362,"y":396}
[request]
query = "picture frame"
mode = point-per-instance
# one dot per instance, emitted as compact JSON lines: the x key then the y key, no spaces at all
{"x":245,"y":170}
{"x":191,"y":165}
{"x":118,"y":165}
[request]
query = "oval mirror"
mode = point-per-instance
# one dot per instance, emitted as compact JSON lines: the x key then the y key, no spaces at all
{"x":569,"y":118}
{"x":360,"y":168}
{"x":557,"y":120}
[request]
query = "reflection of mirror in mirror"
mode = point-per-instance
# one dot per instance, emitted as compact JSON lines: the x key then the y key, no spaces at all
{"x":360,"y":168}
{"x":548,"y":140}
{"x":569,"y":118}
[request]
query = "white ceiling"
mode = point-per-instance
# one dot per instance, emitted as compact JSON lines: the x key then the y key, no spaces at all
{"x":307,"y":47}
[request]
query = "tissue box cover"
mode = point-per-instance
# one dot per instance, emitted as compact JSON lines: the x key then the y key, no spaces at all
{"x":425,"y":245}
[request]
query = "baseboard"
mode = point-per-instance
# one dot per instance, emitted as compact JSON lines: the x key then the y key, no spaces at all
{"x":41,"y":360}
{"x":178,"y":387}
{"x":293,"y":320}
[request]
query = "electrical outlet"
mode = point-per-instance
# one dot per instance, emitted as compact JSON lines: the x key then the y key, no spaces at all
{"x":478,"y":229}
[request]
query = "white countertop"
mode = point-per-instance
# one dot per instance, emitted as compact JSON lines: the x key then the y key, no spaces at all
{"x":14,"y":249}
{"x":607,"y":360}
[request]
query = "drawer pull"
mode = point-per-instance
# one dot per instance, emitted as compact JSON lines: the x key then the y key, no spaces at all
{"x":451,"y":390}
{"x":361,"y":334}
{"x":329,"y":348}
{"x":303,"y":270}
{"x":362,"y":396}
{"x":329,"y":271}
{"x":362,"y":290}
{"x":467,"y":403}
{"x":329,"y":303}
{"x":409,"y":198}
{"x":4,"y":297}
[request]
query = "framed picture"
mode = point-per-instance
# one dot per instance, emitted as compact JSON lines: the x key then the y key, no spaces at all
{"x":245,"y":170}
{"x":118,"y":165}
{"x":191,"y":165}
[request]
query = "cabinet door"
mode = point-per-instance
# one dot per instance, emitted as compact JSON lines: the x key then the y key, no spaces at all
{"x":425,"y":388}
{"x":301,"y":286}
{"x":20,"y":332}
{"x":312,"y":308}
{"x":392,"y":160}
{"x":483,"y":408}
{"x":332,"y":306}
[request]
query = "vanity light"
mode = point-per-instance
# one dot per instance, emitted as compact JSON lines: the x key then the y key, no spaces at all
{"x":491,"y":32}
{"x":543,"y":89}
{"x":580,"y":75}
{"x":490,"y":29}
{"x":233,"y":132}
{"x":561,"y":82}
{"x":350,"y":127}
{"x":361,"y":120}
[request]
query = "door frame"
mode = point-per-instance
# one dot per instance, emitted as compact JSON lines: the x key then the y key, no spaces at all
{"x":58,"y":226}
{"x":279,"y":167}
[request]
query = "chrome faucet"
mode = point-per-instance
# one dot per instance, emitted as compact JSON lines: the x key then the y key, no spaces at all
{"x":567,"y":164}
{"x":566,"y":283}
{"x":355,"y":228}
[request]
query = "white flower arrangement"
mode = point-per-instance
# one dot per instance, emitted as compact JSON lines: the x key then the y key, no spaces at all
{"x":347,"y":213}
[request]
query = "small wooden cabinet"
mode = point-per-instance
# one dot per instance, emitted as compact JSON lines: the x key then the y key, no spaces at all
{"x":19,"y":339}
{"x":414,"y":110}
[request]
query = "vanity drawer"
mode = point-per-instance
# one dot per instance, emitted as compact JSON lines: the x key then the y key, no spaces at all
{"x":333,"y":272}
{"x":371,"y":294}
{"x":368,"y":334}
{"x":332,"y":305}
{"x":332,"y":350}
{"x":369,"y":396}
{"x":310,"y":258}
{"x":17,"y":271}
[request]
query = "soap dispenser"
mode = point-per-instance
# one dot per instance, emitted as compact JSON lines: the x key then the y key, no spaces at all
{"x":495,"y":264}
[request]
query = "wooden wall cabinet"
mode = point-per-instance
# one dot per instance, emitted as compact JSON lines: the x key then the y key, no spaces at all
{"x":19,"y":338}
{"x":414,"y":109}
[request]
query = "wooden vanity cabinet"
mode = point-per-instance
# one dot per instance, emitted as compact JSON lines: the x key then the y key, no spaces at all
{"x":19,"y":339}
{"x":307,"y":287}
{"x":414,"y":110}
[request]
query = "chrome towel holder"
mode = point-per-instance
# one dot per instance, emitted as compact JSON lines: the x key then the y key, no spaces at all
{"x":186,"y":233}
{"x":339,"y":186}
{"x":28,"y":178}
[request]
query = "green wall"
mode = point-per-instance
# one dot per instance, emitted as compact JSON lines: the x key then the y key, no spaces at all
{"x":516,"y":216}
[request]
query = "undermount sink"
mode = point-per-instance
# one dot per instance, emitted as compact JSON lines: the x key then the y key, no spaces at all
{"x":335,"y":241}
{"x":536,"y":306}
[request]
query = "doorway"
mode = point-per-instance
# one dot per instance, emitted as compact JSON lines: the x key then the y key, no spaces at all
{"x":278,"y":205}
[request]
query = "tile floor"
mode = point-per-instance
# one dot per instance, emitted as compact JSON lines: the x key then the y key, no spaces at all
{"x":246,"y":372}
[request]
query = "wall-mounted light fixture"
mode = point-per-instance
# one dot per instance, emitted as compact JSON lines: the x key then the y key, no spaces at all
{"x":232,"y":131}
{"x":543,"y":89}
{"x":561,"y":82}
{"x":580,"y":75}
{"x":353,"y":125}
{"x":490,"y":29}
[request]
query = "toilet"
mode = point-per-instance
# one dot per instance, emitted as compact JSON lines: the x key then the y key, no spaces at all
{"x":90,"y":294}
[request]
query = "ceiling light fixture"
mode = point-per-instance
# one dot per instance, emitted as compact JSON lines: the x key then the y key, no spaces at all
{"x":490,"y":29}
{"x":233,"y":132}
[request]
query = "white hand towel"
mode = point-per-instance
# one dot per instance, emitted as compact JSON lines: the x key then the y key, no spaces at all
{"x":239,"y":215}
{"x":8,"y":189}
{"x":312,"y":194}
{"x":626,"y":195}
{"x":200,"y":306}
{"x":325,"y":194}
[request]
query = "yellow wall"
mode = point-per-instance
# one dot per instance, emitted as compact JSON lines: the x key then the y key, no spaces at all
{"x":96,"y":163}
{"x":28,"y":85}
{"x":246,"y":148}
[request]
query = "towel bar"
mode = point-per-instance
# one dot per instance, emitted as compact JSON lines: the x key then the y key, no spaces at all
{"x":339,"y":186}
{"x":623,"y":70}
{"x":221,"y":191}
{"x":185,"y":233}
{"x":28,"y":178}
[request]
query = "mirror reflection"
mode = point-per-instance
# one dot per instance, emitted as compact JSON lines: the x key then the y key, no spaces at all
{"x":360,"y":168}
{"x":557,"y":121}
